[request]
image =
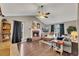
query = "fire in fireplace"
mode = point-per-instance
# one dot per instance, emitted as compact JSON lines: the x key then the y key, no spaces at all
{"x":35,"y":33}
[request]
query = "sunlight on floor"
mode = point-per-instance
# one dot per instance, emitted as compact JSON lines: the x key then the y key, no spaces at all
{"x":14,"y":50}
{"x":5,"y":48}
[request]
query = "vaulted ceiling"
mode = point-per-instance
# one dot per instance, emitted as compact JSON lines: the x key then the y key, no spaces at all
{"x":59,"y":12}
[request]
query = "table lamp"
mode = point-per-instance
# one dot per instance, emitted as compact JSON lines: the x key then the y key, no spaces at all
{"x":74,"y":35}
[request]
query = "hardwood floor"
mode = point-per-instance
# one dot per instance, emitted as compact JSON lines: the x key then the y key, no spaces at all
{"x":35,"y":49}
{"x":5,"y":48}
{"x":14,"y":50}
{"x":28,"y":49}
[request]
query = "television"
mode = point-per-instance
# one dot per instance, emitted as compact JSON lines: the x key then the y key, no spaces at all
{"x":45,"y":29}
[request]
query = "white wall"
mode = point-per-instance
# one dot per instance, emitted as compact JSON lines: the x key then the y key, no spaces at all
{"x":27,"y":22}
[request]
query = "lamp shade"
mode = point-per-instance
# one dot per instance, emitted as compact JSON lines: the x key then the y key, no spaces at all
{"x":74,"y":35}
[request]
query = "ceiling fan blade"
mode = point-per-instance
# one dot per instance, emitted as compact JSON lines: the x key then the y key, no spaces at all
{"x":46,"y":16}
{"x":47,"y":13}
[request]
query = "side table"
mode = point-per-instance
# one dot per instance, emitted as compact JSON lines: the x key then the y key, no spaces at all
{"x":74,"y":48}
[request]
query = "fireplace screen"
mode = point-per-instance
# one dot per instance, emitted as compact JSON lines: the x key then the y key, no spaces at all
{"x":35,"y":33}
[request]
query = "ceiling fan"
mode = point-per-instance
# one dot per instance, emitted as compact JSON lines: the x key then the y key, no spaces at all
{"x":41,"y":13}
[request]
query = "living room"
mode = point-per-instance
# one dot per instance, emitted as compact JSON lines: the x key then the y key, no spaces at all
{"x":31,"y":28}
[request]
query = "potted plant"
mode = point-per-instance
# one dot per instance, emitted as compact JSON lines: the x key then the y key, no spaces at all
{"x":70,"y":29}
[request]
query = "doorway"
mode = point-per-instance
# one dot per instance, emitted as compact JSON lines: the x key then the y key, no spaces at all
{"x":17,"y":32}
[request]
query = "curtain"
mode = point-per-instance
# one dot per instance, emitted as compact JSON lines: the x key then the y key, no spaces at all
{"x":61,"y":29}
{"x":17,"y":32}
{"x":52,"y":28}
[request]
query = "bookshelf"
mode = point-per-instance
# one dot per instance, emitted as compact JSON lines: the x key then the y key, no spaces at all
{"x":6,"y":27}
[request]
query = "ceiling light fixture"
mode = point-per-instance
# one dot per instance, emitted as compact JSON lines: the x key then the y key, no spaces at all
{"x":42,"y":14}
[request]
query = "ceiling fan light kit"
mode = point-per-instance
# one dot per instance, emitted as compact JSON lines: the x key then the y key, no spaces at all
{"x":41,"y":13}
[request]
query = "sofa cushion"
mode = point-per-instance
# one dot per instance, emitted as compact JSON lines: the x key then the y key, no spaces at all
{"x":68,"y":44}
{"x":67,"y":39}
{"x":67,"y":49}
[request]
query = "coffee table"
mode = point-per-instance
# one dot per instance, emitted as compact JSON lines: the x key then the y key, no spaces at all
{"x":46,"y":41}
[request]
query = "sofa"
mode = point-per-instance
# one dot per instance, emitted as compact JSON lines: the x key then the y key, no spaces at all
{"x":67,"y":45}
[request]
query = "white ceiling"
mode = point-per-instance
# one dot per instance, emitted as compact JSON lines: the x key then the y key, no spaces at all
{"x":60,"y":12}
